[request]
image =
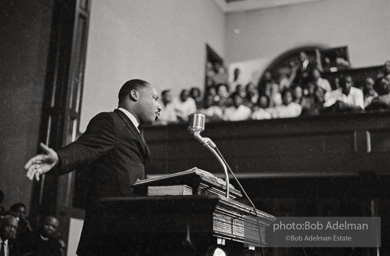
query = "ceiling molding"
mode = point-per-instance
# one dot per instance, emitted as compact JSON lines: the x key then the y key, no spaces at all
{"x":248,"y":5}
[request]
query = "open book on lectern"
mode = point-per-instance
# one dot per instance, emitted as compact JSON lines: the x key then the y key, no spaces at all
{"x":202,"y":183}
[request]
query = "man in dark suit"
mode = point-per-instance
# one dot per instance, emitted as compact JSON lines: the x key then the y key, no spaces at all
{"x":304,"y":71}
{"x":8,"y":229}
{"x":114,"y":151}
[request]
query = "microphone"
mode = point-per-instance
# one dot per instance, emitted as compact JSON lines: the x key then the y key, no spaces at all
{"x":196,"y":123}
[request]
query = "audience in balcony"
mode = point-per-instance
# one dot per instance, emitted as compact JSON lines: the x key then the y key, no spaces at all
{"x":278,"y":97}
{"x":184,"y":106}
{"x":382,"y":101}
{"x":369,"y":91}
{"x":211,"y":110}
{"x":304,"y":71}
{"x":288,"y":108}
{"x":196,"y":94}
{"x":345,"y":99}
{"x":238,"y":111}
{"x":224,"y":99}
{"x":252,"y":95}
{"x":168,"y":111}
{"x":297,"y":92}
{"x":319,"y":81}
{"x":262,"y":110}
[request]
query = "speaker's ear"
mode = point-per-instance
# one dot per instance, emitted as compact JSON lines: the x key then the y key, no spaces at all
{"x":133,"y":95}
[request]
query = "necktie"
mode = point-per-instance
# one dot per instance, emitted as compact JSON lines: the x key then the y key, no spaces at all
{"x":141,"y":133}
{"x":2,"y":250}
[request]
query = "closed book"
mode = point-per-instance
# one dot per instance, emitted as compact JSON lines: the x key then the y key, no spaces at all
{"x":169,"y":190}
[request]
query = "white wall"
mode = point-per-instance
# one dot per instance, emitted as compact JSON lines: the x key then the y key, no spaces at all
{"x":362,"y":25}
{"x":162,"y":42}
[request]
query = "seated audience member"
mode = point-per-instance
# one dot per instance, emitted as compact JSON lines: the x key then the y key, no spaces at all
{"x":168,"y":112}
{"x":221,"y":76}
{"x":297,"y":92}
{"x":289,"y":108}
{"x":184,"y":106}
{"x":19,"y":210}
{"x":287,"y":76}
{"x":319,"y":81}
{"x":346,"y":98}
{"x":212,"y":90}
{"x":224,"y":97}
{"x":212,"y":112}
{"x":46,"y":242}
{"x":276,"y":96}
{"x":262,"y":110}
{"x":8,"y":230}
{"x":385,"y":69}
{"x":307,"y":101}
{"x":336,"y":83}
{"x":252,"y":95}
{"x":196,"y":94}
{"x":237,"y":112}
{"x":382,"y":101}
{"x":368,"y":91}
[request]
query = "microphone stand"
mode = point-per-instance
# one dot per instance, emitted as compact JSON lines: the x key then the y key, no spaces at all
{"x":210,"y":145}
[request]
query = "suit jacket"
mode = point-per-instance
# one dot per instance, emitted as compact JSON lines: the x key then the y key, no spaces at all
{"x":115,"y":153}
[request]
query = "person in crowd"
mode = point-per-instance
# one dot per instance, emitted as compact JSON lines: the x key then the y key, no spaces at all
{"x":312,"y":102}
{"x":385,"y":69}
{"x":336,"y":83}
{"x":297,"y":92}
{"x":184,"y":106}
{"x":276,"y":96}
{"x":289,"y":108}
{"x":252,"y":95}
{"x":319,"y":100}
{"x":45,"y":242}
{"x":212,"y":90}
{"x":168,"y":112}
{"x":267,"y":86}
{"x":304,"y":70}
{"x":224,"y":97}
{"x":262,"y":110}
{"x":369,"y":91}
{"x":240,"y":90}
{"x":196,"y":94}
{"x":114,"y":148}
{"x":221,"y":76}
{"x":8,"y":229}
{"x":319,"y":81}
{"x":382,"y":101}
{"x":346,"y":98}
{"x":237,"y":112}
{"x":212,"y":112}
{"x":234,"y":80}
{"x":19,"y":210}
{"x":210,"y":73}
{"x":287,"y":76}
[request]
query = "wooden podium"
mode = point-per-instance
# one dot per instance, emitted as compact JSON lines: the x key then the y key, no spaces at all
{"x":182,"y":225}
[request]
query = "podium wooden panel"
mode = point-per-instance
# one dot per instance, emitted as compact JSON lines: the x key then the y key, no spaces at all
{"x":182,"y":225}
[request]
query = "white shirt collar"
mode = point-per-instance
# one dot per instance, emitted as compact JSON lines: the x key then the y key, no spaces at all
{"x":131,"y":117}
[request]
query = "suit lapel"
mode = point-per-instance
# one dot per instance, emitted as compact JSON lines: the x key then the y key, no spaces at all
{"x":134,"y":130}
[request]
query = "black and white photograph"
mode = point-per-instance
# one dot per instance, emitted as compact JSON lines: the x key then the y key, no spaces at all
{"x":195,"y":127}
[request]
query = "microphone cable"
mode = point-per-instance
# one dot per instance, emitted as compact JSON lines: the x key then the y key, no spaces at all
{"x":246,"y":195}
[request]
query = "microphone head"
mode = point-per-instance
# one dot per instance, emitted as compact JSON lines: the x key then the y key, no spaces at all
{"x":196,"y":123}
